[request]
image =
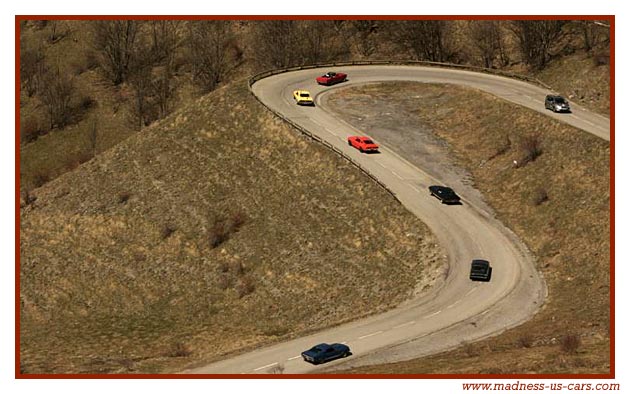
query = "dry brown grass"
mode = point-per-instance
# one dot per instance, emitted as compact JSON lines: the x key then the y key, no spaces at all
{"x":104,"y":290}
{"x":557,"y":204}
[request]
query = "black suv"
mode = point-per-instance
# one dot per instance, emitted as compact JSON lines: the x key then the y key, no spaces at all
{"x":480,"y":270}
{"x":557,"y":103}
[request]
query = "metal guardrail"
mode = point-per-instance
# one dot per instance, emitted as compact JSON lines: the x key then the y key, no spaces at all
{"x":314,"y":137}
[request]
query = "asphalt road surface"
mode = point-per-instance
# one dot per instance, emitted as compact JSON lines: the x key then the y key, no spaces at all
{"x":458,"y":310}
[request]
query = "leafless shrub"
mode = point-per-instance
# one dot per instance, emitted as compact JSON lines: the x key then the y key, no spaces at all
{"x":531,"y":147}
{"x":539,"y":196}
{"x":601,"y":59}
{"x":525,"y":341}
{"x":570,"y":343}
{"x":178,"y":349}
{"x":30,"y":129}
{"x":41,"y":178}
{"x":471,"y":350}
{"x":123,"y":197}
{"x":503,"y":147}
{"x":167,"y":231}
{"x":219,"y":233}
{"x":245,"y":286}
{"x":28,"y":198}
{"x":56,"y":96}
{"x":238,"y":219}
{"x":86,"y":102}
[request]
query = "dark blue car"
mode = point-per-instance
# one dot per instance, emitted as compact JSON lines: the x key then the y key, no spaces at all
{"x":324,"y":352}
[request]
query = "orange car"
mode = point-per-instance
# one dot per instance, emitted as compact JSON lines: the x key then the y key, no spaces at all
{"x":364,"y":144}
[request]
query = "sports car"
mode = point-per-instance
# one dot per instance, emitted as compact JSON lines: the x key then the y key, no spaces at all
{"x":324,"y":352}
{"x":480,"y":270}
{"x":363,"y":144}
{"x":445,"y":194}
{"x":303,"y":97}
{"x":331,"y":78}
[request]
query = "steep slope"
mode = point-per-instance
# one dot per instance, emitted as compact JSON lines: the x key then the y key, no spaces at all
{"x":217,"y":229}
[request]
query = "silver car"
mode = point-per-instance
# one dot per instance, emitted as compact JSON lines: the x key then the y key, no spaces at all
{"x":557,"y":103}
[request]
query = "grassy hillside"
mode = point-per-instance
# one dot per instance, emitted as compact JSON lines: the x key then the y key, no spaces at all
{"x":217,"y":229}
{"x":581,"y":78}
{"x":558,"y":204}
{"x":106,"y":111}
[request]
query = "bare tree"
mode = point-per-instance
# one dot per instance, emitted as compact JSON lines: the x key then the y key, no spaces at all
{"x":425,"y":39}
{"x":213,"y":52}
{"x":284,"y":43}
{"x":487,"y":38}
{"x":33,"y":67}
{"x":140,"y":82}
{"x":276,"y":44}
{"x":364,"y":37}
{"x":93,"y":136}
{"x":57,"y":30}
{"x":56,"y":95}
{"x":165,"y":40}
{"x":536,"y":39}
{"x":163,"y":90}
{"x":116,"y":41}
{"x":591,"y":32}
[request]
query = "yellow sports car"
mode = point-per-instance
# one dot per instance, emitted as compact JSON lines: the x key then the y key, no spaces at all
{"x":302,"y":97}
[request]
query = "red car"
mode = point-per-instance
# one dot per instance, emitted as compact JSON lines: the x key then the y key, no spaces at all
{"x":364,"y":144}
{"x":331,"y":78}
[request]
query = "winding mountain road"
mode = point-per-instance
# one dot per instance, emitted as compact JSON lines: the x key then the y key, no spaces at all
{"x":457,"y":310}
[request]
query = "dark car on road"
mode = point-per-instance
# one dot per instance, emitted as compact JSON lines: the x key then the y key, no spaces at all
{"x":557,"y":103}
{"x":324,"y":352}
{"x":480,"y":270}
{"x":445,"y":194}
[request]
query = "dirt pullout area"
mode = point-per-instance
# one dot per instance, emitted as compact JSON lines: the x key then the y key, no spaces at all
{"x":556,"y":198}
{"x":217,"y":230}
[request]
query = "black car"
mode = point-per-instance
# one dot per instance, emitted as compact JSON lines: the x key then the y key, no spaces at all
{"x":480,"y":270}
{"x":445,"y":194}
{"x":324,"y":352}
{"x":557,"y":103}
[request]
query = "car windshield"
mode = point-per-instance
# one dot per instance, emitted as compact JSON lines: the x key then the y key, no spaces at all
{"x":368,"y":142}
{"x":560,"y":100}
{"x":304,"y":95}
{"x":316,"y":349}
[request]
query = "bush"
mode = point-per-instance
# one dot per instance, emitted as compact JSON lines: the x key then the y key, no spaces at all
{"x":525,"y":341}
{"x":167,"y":231}
{"x":531,"y":146}
{"x":540,"y":196}
{"x":30,"y":129}
{"x":179,"y":350}
{"x":219,"y":233}
{"x":86,"y":102}
{"x":245,"y":286}
{"x":123,"y":197}
{"x":570,"y":343}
